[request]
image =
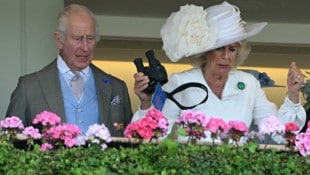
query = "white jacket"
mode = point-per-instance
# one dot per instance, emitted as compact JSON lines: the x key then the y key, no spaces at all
{"x":248,"y":105}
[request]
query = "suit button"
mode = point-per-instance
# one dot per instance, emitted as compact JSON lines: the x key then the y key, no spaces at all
{"x":79,"y":110}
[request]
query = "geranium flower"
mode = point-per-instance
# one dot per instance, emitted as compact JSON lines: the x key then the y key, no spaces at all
{"x":131,"y":129}
{"x":290,"y":134}
{"x":217,"y":127}
{"x":11,"y":123}
{"x":64,"y":134}
{"x":32,"y":132}
{"x":291,"y":127}
{"x":11,"y":126}
{"x":193,"y":125}
{"x":302,"y":142}
{"x":271,"y":124}
{"x":46,"y":146}
{"x":153,"y":125}
{"x":46,"y":119}
{"x":237,"y":129}
{"x":98,"y":134}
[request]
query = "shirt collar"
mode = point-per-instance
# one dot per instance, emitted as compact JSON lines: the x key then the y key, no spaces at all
{"x":63,"y":67}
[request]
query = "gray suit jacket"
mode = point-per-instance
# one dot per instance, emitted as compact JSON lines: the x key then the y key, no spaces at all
{"x":40,"y":91}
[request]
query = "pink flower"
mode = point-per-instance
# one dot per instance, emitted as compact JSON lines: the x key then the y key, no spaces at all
{"x":238,"y":126}
{"x":11,"y":123}
{"x":70,"y":142}
{"x":145,"y":132}
{"x":302,"y":143}
{"x":46,"y":119}
{"x":153,"y":125}
{"x":131,"y":129}
{"x":237,"y":130}
{"x":194,"y":124}
{"x":65,"y":134}
{"x":148,"y":121}
{"x":32,"y":132}
{"x":216,"y":125}
{"x":46,"y":146}
{"x":192,"y":117}
{"x":291,"y":127}
{"x":290,"y":135}
{"x":271,"y":124}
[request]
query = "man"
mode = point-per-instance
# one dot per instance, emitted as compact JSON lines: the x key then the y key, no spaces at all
{"x":101,"y":98}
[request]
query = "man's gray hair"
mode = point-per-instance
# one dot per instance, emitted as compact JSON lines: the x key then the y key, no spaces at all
{"x":63,"y":15}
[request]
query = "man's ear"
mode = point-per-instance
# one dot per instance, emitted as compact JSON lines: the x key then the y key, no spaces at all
{"x":58,"y":39}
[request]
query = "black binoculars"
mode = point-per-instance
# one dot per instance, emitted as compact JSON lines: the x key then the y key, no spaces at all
{"x":155,"y":71}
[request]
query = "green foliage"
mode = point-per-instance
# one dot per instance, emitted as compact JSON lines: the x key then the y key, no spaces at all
{"x":165,"y":158}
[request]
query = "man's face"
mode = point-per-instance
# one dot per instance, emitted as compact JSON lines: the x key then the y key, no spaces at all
{"x":79,"y":41}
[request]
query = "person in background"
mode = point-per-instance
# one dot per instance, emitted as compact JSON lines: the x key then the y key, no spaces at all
{"x":215,"y":40}
{"x":71,"y":86}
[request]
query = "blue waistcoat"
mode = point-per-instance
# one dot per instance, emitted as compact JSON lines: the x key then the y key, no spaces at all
{"x":83,"y":113}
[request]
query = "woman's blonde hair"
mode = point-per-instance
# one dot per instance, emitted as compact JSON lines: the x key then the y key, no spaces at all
{"x":242,"y":55}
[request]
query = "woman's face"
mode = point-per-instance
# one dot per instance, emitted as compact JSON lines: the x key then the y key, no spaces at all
{"x":221,"y":60}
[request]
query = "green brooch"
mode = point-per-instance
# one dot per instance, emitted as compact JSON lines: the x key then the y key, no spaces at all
{"x":241,"y":85}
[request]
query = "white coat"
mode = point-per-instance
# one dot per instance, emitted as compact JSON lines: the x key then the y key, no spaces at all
{"x":248,"y":105}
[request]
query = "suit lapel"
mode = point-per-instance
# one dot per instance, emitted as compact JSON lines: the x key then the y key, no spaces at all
{"x":50,"y":86}
{"x":104,"y":91}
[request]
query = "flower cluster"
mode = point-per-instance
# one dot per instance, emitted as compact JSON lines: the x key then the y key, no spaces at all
{"x":153,"y":125}
{"x":12,"y":123}
{"x":96,"y":134}
{"x":62,"y":135}
{"x":302,"y":142}
{"x":196,"y":124}
{"x":272,"y":125}
{"x":237,"y":129}
{"x":193,"y":125}
{"x":218,"y":128}
{"x":54,"y":134}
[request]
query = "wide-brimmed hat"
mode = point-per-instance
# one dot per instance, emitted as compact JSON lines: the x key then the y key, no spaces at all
{"x":193,"y":30}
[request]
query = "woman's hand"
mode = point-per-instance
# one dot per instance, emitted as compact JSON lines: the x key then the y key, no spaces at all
{"x":141,"y":83}
{"x":295,"y":79}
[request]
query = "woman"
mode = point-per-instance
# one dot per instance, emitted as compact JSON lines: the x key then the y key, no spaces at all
{"x":215,"y":38}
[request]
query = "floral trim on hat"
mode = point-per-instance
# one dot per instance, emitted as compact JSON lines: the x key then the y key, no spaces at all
{"x":187,"y":31}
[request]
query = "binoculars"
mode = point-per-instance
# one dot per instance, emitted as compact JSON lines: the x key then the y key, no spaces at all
{"x":155,"y":71}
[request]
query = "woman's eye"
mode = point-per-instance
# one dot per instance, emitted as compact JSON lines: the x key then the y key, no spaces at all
{"x":232,"y":49}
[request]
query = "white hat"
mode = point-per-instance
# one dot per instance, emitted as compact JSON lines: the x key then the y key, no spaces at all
{"x":193,"y":30}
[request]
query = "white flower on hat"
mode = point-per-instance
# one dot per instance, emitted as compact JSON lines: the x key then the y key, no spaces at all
{"x":187,"y":32}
